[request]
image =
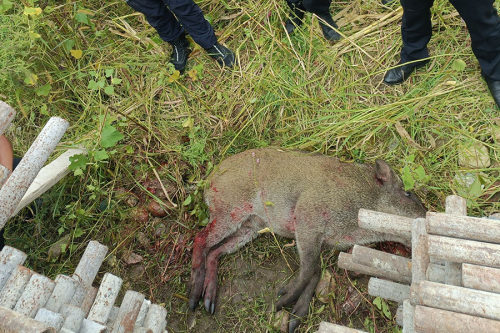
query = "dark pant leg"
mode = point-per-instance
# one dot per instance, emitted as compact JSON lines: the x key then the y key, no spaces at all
{"x":295,"y":5}
{"x":483,"y":24}
{"x":192,"y":20}
{"x":318,"y":7}
{"x":416,"y":29}
{"x":159,"y":17}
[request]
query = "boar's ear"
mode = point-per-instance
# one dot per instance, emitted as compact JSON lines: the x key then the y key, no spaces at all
{"x":383,"y":172}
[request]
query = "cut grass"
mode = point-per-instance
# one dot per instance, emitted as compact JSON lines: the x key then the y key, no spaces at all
{"x":296,"y":92}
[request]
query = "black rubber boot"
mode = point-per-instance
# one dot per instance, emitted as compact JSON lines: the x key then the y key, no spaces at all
{"x":180,"y":53}
{"x":295,"y":20}
{"x":328,"y":32}
{"x":223,"y":55}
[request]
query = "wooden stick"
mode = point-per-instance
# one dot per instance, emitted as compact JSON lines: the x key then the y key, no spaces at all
{"x":156,"y":318}
{"x":62,"y":293}
{"x":456,"y":206}
{"x":73,"y":317}
{"x":142,"y":313}
{"x":464,"y":251}
{"x":399,"y":315}
{"x":420,"y":258}
{"x":89,"y":326}
{"x":14,"y":322}
{"x":90,"y":263}
{"x":396,"y":265}
{"x":129,"y":310}
{"x":35,"y":295}
{"x":431,"y":320}
{"x":481,"y":278}
{"x":105,"y":299}
{"x":16,"y":186}
{"x":10,"y":258}
{"x":389,"y":290}
{"x":48,"y":176}
{"x":345,"y":261}
{"x":408,"y":317}
{"x":325,"y":327}
{"x":465,"y":227}
{"x":385,"y":223}
{"x":15,"y":286}
{"x":457,"y":299}
{"x":50,"y":318}
{"x":435,"y":273}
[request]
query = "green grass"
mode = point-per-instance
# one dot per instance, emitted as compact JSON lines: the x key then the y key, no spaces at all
{"x":296,"y":92}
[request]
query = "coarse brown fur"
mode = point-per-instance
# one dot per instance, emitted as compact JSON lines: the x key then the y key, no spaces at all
{"x":312,"y":198}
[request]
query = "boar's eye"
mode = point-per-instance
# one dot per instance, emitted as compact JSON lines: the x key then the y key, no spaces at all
{"x":408,"y":194}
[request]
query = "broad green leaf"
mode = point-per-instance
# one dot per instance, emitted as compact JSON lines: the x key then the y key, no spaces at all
{"x":378,"y":303}
{"x":77,"y":54}
{"x":43,"y":90}
{"x":82,"y":18}
{"x":5,"y":5}
{"x":78,"y":162}
{"x":32,"y":11}
{"x":110,"y":136}
{"x":174,"y":77}
{"x":420,"y":173}
{"x":100,"y":155}
{"x":101,"y":83}
{"x":109,"y":90}
{"x":78,"y":232}
{"x":458,"y":65}
{"x":116,"y":80}
{"x":188,"y":123}
{"x":93,"y":85}
{"x":407,"y":178}
{"x":68,"y":45}
{"x":34,"y":35}
{"x":109,"y":72}
{"x":30,"y":78}
{"x":187,"y":201}
{"x":385,"y":310}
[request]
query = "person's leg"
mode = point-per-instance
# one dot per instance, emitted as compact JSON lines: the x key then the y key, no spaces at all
{"x":159,"y":18}
{"x":192,"y":20}
{"x":483,"y":24}
{"x":168,"y":28}
{"x":297,"y":15}
{"x":416,"y":31}
{"x":322,"y":9}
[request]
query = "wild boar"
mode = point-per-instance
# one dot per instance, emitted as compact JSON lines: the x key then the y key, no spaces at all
{"x":312,"y":198}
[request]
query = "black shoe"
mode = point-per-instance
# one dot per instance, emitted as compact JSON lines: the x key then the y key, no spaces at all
{"x":402,"y":72}
{"x":385,"y":2}
{"x":295,"y":20}
{"x":326,"y":22}
{"x":180,"y":53}
{"x":223,"y":55}
{"x":494,"y":87}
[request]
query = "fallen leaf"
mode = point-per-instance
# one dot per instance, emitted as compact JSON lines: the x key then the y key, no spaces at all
{"x":77,"y":54}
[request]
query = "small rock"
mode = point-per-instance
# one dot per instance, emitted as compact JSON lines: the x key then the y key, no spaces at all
{"x":474,"y":156}
{"x":280,"y":322}
{"x":139,"y":214}
{"x":112,"y":260}
{"x":161,"y":229}
{"x":143,"y":239}
{"x":131,"y":258}
{"x":326,"y":287}
{"x":129,"y":198}
{"x":495,"y":133}
{"x":156,"y":209}
{"x":136,"y":272}
{"x":59,"y":247}
{"x":352,"y":302}
{"x":132,"y":200}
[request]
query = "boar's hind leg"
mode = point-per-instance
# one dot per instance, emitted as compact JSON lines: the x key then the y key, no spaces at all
{"x":309,"y":248}
{"x":246,"y":233}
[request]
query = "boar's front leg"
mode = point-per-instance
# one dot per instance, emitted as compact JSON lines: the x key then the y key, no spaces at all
{"x":302,"y":288}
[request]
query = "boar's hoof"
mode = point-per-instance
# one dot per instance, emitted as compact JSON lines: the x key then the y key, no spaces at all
{"x":209,"y":306}
{"x":293,"y":324}
{"x":193,"y":303}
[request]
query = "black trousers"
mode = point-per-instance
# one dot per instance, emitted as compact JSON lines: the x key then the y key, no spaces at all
{"x":318,"y":7}
{"x":188,"y":18}
{"x":482,"y":22}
